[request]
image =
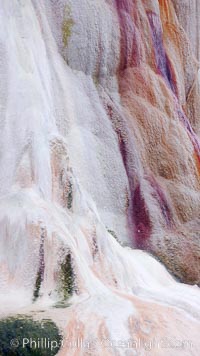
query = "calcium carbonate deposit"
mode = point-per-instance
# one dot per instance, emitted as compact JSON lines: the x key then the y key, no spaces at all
{"x":100,"y":173}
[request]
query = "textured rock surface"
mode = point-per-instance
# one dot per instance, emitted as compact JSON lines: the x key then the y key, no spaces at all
{"x":100,"y":148}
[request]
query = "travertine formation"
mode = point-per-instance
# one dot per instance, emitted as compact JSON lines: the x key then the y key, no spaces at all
{"x":100,"y":158}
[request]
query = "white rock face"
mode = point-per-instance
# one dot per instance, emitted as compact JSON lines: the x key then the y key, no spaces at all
{"x":99,"y":150}
{"x":190,"y":23}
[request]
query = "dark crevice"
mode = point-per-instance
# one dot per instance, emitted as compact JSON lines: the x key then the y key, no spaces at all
{"x":40,"y":273}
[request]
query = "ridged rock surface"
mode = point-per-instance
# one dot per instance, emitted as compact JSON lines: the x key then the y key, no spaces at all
{"x":100,"y":158}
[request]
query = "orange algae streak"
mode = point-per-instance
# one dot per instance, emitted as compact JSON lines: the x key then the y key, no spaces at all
{"x":167,"y":12}
{"x":197,"y":161}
